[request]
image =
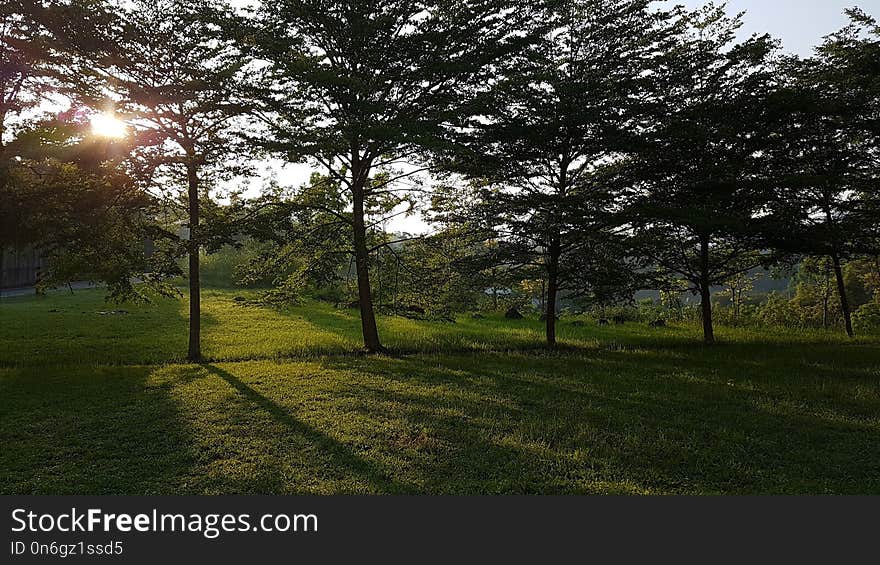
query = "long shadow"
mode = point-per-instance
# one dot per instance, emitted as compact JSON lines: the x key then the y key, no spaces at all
{"x":659,"y":431}
{"x":110,"y":430}
{"x":338,"y":454}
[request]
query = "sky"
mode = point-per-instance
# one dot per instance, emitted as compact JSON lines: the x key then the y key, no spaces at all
{"x":800,"y":24}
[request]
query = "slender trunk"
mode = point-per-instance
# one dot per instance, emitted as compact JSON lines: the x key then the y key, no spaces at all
{"x":195,"y":294}
{"x":841,"y":289}
{"x":825,"y":312}
{"x":826,"y":297}
{"x":838,"y":269}
{"x":738,"y":308}
{"x":362,"y":265}
{"x":2,"y":248}
{"x":396,"y":282}
{"x":706,"y":292}
{"x":706,"y":306}
{"x":552,"y":290}
{"x":555,"y":251}
{"x":735,"y":304}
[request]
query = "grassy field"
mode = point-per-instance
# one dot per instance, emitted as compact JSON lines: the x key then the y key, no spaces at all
{"x":100,"y":404}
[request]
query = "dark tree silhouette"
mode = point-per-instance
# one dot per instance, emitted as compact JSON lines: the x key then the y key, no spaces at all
{"x":559,"y":113}
{"x":826,"y":153}
{"x":701,"y":170}
{"x":364,"y":89}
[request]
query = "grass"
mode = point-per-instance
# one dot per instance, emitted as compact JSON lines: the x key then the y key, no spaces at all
{"x":75,"y":331}
{"x":93,"y":404}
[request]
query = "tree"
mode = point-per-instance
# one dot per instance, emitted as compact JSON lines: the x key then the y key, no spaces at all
{"x":815,"y":285}
{"x":36,"y":40}
{"x":177,"y":82}
{"x":62,"y":189}
{"x":363,"y":89}
{"x":825,"y":158}
{"x":451,"y":270}
{"x":701,"y":171}
{"x":737,"y":289}
{"x":305,"y":237}
{"x":558,"y":113}
{"x":89,"y":219}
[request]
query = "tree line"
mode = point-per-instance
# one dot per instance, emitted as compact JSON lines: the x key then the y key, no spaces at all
{"x":598,"y":147}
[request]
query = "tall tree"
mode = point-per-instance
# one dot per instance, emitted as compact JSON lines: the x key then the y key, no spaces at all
{"x":560,"y":112}
{"x":815,"y":286}
{"x":364,"y":88}
{"x":700,"y":170}
{"x":176,"y":81}
{"x":826,"y":156}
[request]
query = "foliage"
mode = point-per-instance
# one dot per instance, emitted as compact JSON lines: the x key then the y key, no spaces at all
{"x":700,"y":169}
{"x":867,"y":318}
{"x":228,"y":267}
{"x":304,"y":231}
{"x":558,"y":109}
{"x":83,"y":213}
{"x":364,"y":88}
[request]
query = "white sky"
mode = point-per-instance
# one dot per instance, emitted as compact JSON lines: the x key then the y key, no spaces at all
{"x":800,"y":24}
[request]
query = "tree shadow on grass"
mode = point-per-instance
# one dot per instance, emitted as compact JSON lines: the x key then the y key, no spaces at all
{"x":331,"y":456}
{"x":110,"y":430}
{"x":608,"y":424}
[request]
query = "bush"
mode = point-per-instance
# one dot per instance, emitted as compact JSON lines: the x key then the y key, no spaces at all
{"x":778,"y":311}
{"x":867,"y":318}
{"x":223,"y":268}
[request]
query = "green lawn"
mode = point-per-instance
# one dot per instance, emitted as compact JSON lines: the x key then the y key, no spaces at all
{"x":95,"y":404}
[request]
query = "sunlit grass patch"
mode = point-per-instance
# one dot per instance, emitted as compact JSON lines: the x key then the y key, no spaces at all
{"x":96,"y":403}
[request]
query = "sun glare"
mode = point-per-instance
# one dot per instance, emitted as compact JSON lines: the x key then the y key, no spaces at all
{"x":108,"y":125}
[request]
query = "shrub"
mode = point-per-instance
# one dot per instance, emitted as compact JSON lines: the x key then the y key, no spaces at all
{"x":867,"y":318}
{"x":778,"y":311}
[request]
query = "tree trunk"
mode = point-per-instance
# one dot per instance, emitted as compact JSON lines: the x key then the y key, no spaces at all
{"x":195,"y":290}
{"x":735,"y":301}
{"x":362,"y":265}
{"x":826,"y":298}
{"x":552,"y":291}
{"x":706,"y":292}
{"x":825,"y":312}
{"x":841,"y":290}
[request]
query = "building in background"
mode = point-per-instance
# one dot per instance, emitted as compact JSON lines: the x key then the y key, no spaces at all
{"x":20,"y":267}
